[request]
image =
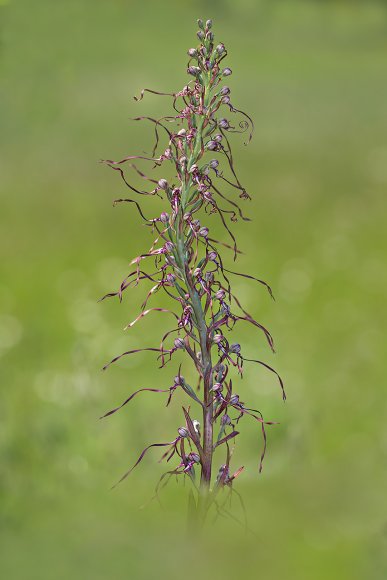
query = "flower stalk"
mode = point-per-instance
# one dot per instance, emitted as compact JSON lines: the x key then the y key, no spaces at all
{"x":191,"y":271}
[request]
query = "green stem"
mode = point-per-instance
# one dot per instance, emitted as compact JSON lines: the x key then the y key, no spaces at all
{"x":207,"y":443}
{"x":200,"y":321}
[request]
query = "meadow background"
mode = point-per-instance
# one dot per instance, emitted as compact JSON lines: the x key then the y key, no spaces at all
{"x":313,"y":76}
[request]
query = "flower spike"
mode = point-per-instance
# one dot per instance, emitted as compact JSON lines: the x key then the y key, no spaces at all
{"x":198,"y":180}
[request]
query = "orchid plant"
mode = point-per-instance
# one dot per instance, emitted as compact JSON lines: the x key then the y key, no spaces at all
{"x":190,"y":270}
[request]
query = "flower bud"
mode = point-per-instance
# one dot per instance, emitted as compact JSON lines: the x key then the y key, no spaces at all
{"x":212,"y":256}
{"x":218,"y":138}
{"x":193,"y":70}
{"x":179,"y":343}
{"x":183,"y":160}
{"x":183,"y":432}
{"x":226,"y":100}
{"x":168,"y":246}
{"x":234,"y":400}
{"x":213,"y":163}
{"x":236,"y":348}
{"x":203,"y":232}
{"x":220,"y":294}
{"x":200,"y":23}
{"x":220,"y":48}
{"x":217,"y":338}
{"x":171,"y":278}
{"x":187,"y":216}
{"x":197,"y":272}
{"x":179,"y":380}
{"x":200,"y":35}
{"x":163,"y":184}
{"x":194,"y":457}
{"x":209,"y":24}
{"x":211,"y":145}
{"x":195,"y":224}
{"x":217,"y":387}
{"x":182,"y":132}
{"x":225,"y":91}
{"x":210,"y":36}
{"x":192,"y":52}
{"x":226,"y":72}
{"x":223,"y":123}
{"x":164,"y":217}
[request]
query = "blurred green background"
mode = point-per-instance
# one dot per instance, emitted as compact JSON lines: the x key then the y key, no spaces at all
{"x":313,"y":76}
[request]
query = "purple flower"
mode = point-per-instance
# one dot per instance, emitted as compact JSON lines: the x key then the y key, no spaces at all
{"x":179,"y":343}
{"x":193,"y":70}
{"x":234,"y":400}
{"x":236,"y":348}
{"x":163,"y":184}
{"x":223,"y":123}
{"x":211,"y":145}
{"x":183,"y":432}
